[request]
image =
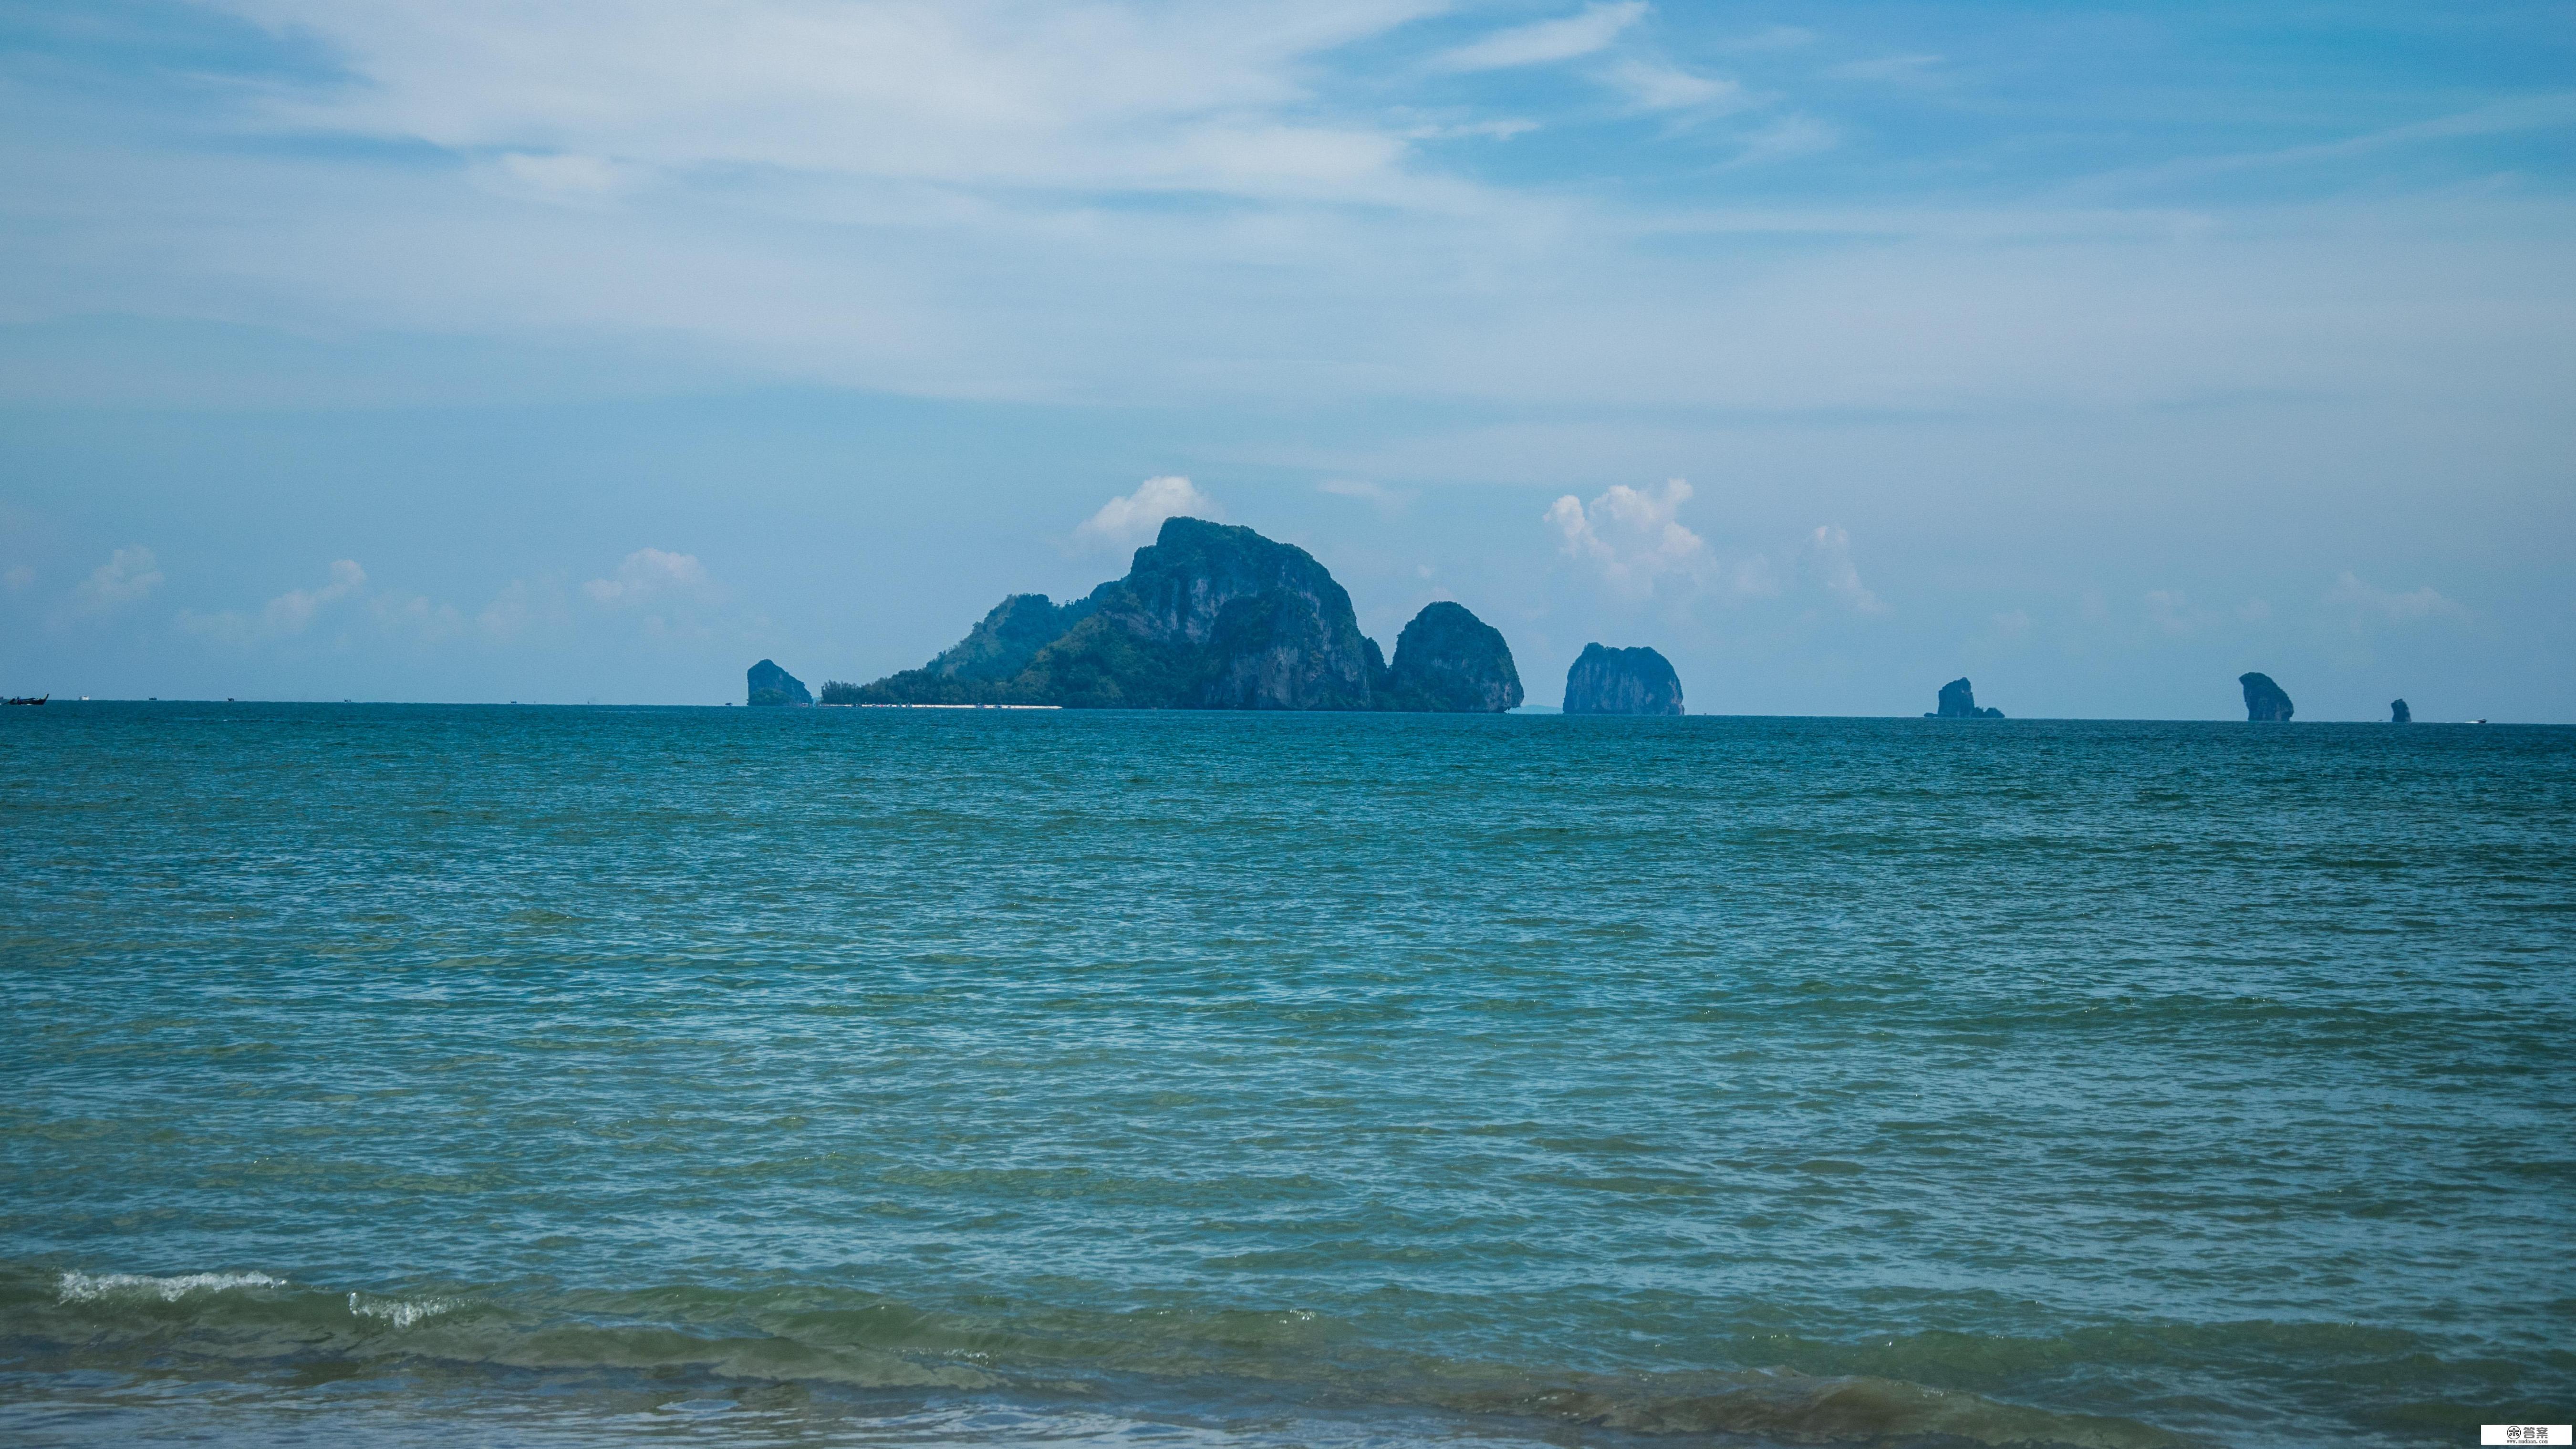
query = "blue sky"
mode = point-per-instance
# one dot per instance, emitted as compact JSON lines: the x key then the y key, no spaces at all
{"x":469,"y":350}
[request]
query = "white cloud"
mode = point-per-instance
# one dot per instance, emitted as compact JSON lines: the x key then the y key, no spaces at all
{"x":288,"y":614}
{"x":572,"y":98}
{"x":1549,"y":40}
{"x":128,"y":577}
{"x":20,"y":578}
{"x":1655,"y":86}
{"x":417,"y":615}
{"x":2173,"y":613}
{"x":1829,"y":549}
{"x":2012,"y":623}
{"x":570,"y":180}
{"x":1389,"y":499}
{"x":521,"y":606}
{"x":1495,"y":130}
{"x":1634,"y":537}
{"x":648,"y":575}
{"x":1756,"y":578}
{"x":1123,"y":522}
{"x":2366,"y":603}
{"x":1787,"y":138}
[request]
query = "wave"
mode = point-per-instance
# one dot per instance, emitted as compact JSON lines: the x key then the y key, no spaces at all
{"x":400,"y":1312}
{"x":83,"y":1287}
{"x":234,"y":1326}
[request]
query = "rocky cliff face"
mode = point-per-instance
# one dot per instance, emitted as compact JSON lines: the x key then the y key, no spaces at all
{"x":1959,"y":701}
{"x":2264,"y":700}
{"x":773,"y":685}
{"x":1271,"y":627}
{"x":1448,"y":660}
{"x":1209,"y":617}
{"x":2398,"y":713}
{"x":1285,"y":649}
{"x":1622,"y":681}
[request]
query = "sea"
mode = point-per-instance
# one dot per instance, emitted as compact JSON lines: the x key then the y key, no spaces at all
{"x":519,"y":1076}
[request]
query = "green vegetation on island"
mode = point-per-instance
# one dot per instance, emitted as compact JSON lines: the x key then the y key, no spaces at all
{"x":1210,"y":616}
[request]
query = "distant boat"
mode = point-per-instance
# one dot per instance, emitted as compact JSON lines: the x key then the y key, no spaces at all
{"x":39,"y":699}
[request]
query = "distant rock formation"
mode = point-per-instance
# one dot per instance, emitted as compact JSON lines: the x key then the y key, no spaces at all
{"x":2264,"y":700}
{"x":1208,"y":617}
{"x":1449,"y":661}
{"x":2398,"y":713}
{"x":1622,"y":681}
{"x":1959,"y":701}
{"x":773,"y":685}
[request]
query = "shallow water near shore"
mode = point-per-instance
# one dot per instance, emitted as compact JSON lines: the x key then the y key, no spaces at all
{"x":545,"y":1077}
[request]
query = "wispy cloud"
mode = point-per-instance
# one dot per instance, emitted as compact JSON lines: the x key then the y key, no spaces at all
{"x":1132,"y":519}
{"x":2551,"y":111}
{"x":649,"y":575}
{"x":1786,"y":138}
{"x":1547,"y":41}
{"x":2365,"y":603}
{"x":288,"y":614}
{"x":1829,"y":553}
{"x":127,"y":578}
{"x":1655,"y":86}
{"x":569,"y":180}
{"x":1387,"y":499}
{"x":575,"y":100}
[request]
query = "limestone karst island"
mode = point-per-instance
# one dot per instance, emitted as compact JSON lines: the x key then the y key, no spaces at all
{"x":1210,"y":616}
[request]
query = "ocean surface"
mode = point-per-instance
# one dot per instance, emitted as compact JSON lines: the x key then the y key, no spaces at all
{"x":573,"y":1077}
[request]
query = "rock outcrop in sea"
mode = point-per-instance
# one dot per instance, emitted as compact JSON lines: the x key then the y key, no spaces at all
{"x":2398,"y":713}
{"x":1449,"y":661}
{"x":1622,"y":681}
{"x":1959,"y":701}
{"x":2265,"y":702}
{"x":773,"y":685}
{"x":1208,"y":617}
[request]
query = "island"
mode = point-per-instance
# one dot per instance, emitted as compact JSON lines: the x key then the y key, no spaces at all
{"x":1451,"y":662}
{"x":774,"y":686}
{"x":1209,"y":616}
{"x":2398,"y":713}
{"x":2265,"y":702}
{"x":1959,"y":701}
{"x":1622,"y":681}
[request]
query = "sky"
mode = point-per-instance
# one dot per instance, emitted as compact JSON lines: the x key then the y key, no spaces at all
{"x":589,"y":351}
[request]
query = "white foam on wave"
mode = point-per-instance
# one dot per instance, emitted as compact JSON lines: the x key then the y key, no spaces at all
{"x":82,"y":1287}
{"x":400,"y":1312}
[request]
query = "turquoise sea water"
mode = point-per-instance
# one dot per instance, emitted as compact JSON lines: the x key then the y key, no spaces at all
{"x":424,"y":1075}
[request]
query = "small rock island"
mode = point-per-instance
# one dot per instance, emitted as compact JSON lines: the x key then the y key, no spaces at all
{"x":1622,"y":681}
{"x":1959,"y":701}
{"x":773,"y":685}
{"x":2398,"y":713}
{"x":1449,"y":661}
{"x":1209,"y":616}
{"x":2265,"y":702}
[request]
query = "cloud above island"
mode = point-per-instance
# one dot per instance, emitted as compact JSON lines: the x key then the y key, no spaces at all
{"x":1127,"y":521}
